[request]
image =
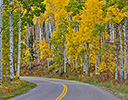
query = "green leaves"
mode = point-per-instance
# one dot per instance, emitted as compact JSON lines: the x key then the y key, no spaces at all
{"x":74,"y":7}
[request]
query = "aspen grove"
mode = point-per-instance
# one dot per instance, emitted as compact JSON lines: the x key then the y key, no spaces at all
{"x":87,"y":36}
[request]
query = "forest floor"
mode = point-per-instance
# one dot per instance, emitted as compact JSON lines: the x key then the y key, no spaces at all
{"x":14,"y":88}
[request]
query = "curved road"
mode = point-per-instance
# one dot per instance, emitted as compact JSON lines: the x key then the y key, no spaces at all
{"x":53,"y":89}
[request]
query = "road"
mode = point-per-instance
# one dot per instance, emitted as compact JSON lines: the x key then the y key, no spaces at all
{"x":53,"y":89}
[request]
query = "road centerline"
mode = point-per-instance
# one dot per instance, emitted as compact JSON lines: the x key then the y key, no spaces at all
{"x":65,"y":88}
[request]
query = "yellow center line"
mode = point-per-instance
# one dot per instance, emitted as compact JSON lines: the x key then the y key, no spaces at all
{"x":64,"y":92}
{"x":61,"y":96}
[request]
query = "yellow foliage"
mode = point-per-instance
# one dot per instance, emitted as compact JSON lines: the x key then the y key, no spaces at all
{"x":45,"y":52}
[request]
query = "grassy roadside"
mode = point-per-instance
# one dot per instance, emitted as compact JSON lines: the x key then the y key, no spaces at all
{"x":15,"y":88}
{"x":119,"y":89}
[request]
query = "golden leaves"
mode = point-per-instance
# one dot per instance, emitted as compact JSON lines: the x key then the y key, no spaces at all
{"x":114,"y":14}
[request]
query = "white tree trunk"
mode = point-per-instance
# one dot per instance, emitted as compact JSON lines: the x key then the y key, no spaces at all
{"x":11,"y":45}
{"x":65,"y":59}
{"x":95,"y":61}
{"x":88,"y":45}
{"x":33,"y":32}
{"x":116,"y":55}
{"x":1,"y":25}
{"x":47,"y":39}
{"x":110,"y":26}
{"x":30,"y":65}
{"x":47,"y":33}
{"x":73,"y":62}
{"x":59,"y":69}
{"x":33,"y":27}
{"x":19,"y":46}
{"x":50,"y":28}
{"x":42,"y":27}
{"x":69,"y":59}
{"x":125,"y":49}
{"x":76,"y":63}
{"x":40,"y":30}
{"x":98,"y":60}
{"x":84,"y":66}
{"x":81,"y":62}
{"x":113,"y":35}
{"x":103,"y":39}
{"x":121,"y":52}
{"x":53,"y":27}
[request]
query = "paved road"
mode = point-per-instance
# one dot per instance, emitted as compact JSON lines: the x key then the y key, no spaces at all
{"x":53,"y":89}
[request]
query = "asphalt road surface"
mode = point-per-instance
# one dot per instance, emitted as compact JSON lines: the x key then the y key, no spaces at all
{"x":53,"y":89}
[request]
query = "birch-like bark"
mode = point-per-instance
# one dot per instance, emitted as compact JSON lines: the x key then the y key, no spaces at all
{"x":47,"y":39}
{"x":1,"y":25}
{"x":113,"y":34}
{"x":42,"y":26}
{"x":86,"y":63}
{"x":110,"y":26}
{"x":103,"y":40}
{"x":19,"y":46}
{"x":5,"y":71}
{"x":100,"y":48}
{"x":84,"y":66}
{"x":11,"y":44}
{"x":98,"y":60}
{"x":53,"y":27}
{"x":65,"y":59}
{"x":116,"y":55}
{"x":88,"y":45}
{"x":81,"y":62}
{"x":125,"y":48}
{"x":76,"y":63}
{"x":30,"y":65}
{"x":29,"y":35}
{"x":37,"y":32}
{"x":33,"y":27}
{"x":121,"y":52}
{"x":33,"y":32}
{"x":95,"y":61}
{"x":59,"y":69}
{"x":40,"y":29}
{"x":99,"y":56}
{"x":29,"y":32}
{"x":47,"y":34}
{"x":50,"y":33}
{"x":50,"y":28}
{"x":69,"y":59}
{"x":73,"y":62}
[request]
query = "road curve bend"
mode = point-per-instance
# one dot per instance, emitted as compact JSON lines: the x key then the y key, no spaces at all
{"x":54,"y":89}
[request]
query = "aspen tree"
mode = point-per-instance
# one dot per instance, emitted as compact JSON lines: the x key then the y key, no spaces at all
{"x":19,"y":45}
{"x":121,"y":52}
{"x":1,"y":26}
{"x":11,"y":42}
{"x":116,"y":54}
{"x":125,"y":48}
